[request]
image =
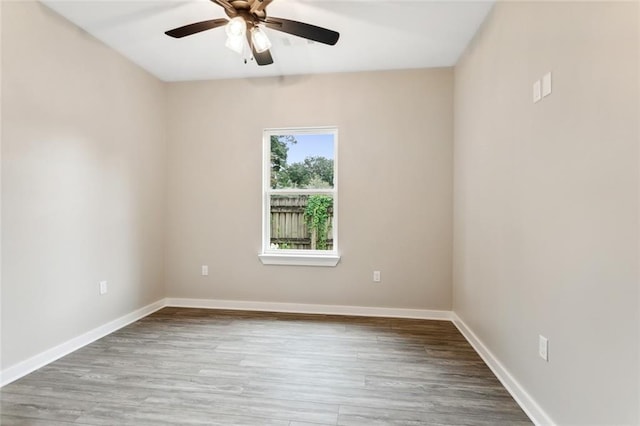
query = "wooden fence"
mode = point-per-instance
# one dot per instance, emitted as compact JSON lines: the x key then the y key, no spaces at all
{"x":288,"y":227}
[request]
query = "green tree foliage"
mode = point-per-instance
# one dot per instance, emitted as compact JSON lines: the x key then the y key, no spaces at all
{"x":279,"y":151}
{"x":320,"y":167}
{"x":298,"y":175}
{"x":317,"y":183}
{"x":313,"y":172}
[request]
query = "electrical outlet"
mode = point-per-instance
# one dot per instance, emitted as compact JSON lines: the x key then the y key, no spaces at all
{"x":205,"y":270}
{"x":543,"y":347}
{"x":376,"y":276}
{"x":103,"y":287}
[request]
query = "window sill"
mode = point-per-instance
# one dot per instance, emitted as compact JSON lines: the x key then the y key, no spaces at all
{"x":299,"y":259}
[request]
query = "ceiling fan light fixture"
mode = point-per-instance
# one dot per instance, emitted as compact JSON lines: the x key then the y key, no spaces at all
{"x":260,"y":40}
{"x":235,"y":43}
{"x":247,"y":19}
{"x":237,"y":27}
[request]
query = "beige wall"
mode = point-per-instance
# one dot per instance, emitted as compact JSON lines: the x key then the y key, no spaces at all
{"x":83,"y":182}
{"x":546,"y":203}
{"x":395,"y":171}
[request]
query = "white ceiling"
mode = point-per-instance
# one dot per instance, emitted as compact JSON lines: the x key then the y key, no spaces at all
{"x":374,"y":35}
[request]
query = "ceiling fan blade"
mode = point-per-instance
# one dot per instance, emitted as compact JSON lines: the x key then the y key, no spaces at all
{"x":300,"y":29}
{"x":227,"y":6}
{"x":196,"y":28}
{"x":263,"y":58}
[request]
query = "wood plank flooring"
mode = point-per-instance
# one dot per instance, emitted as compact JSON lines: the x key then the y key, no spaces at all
{"x":210,"y":367}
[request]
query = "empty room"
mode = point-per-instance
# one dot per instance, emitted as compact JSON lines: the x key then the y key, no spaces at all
{"x":299,"y":213}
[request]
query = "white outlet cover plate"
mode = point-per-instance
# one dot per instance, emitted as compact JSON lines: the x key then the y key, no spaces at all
{"x":103,"y":287}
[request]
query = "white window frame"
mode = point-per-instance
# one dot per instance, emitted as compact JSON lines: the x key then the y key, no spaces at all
{"x":270,"y":256}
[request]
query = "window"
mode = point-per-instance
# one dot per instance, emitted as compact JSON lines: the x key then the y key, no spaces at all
{"x":300,"y":199}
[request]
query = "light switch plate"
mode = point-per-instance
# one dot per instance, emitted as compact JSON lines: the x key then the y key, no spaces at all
{"x":543,"y":347}
{"x":546,"y":84}
{"x":537,"y":91}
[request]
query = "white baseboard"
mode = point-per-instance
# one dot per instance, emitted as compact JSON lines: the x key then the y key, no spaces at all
{"x":524,"y":400}
{"x":40,"y":360}
{"x":303,"y":308}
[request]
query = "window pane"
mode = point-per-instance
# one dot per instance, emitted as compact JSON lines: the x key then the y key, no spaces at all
{"x":302,"y":161}
{"x":301,"y":222}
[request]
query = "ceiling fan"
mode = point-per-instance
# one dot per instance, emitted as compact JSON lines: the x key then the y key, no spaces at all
{"x":246,"y":17}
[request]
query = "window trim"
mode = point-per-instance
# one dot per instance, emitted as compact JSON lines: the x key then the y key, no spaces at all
{"x":270,"y":256}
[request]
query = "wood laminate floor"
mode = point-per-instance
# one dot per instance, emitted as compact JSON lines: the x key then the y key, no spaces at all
{"x":211,"y":367}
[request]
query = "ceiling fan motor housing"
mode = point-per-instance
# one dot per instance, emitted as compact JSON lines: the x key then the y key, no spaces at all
{"x":251,"y":10}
